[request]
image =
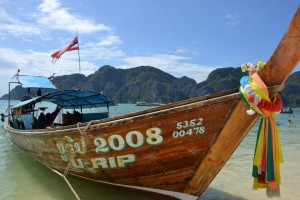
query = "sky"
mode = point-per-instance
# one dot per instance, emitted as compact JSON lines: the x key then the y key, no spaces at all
{"x":181,"y":37}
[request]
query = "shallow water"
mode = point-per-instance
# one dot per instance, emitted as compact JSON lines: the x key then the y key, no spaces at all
{"x":234,"y":180}
{"x":22,"y":178}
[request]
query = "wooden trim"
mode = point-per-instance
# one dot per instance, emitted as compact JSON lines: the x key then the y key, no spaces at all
{"x":133,"y":116}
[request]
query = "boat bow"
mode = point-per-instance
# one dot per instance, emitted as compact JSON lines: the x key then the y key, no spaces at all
{"x":277,"y":70}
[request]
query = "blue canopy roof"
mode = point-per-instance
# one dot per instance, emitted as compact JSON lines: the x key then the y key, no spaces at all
{"x":22,"y":103}
{"x":35,"y":82}
{"x":72,"y":99}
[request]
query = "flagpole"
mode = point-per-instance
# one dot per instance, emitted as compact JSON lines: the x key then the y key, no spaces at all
{"x":79,"y":60}
{"x":78,"y":53}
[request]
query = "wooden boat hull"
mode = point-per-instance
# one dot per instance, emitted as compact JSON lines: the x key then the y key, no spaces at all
{"x":178,"y":147}
{"x":158,"y":148}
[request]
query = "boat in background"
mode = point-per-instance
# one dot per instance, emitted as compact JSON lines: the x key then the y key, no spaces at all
{"x":287,"y":111}
{"x":179,"y":147}
{"x":142,"y":103}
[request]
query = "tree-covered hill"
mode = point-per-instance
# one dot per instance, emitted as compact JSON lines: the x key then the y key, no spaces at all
{"x":150,"y":84}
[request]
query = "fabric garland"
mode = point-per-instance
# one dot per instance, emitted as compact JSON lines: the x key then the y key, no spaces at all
{"x":268,"y":154}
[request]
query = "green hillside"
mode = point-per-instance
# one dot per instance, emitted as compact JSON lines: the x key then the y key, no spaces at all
{"x":150,"y":84}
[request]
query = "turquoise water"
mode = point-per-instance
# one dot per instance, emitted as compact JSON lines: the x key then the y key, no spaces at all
{"x":22,"y":178}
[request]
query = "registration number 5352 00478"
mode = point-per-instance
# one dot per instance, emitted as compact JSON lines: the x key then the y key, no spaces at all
{"x":189,"y":127}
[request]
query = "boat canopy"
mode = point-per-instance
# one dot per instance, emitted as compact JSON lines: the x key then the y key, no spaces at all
{"x":71,"y":99}
{"x":23,"y":103}
{"x":35,"y":82}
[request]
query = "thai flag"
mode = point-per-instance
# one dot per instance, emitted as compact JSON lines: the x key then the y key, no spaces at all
{"x":72,"y":46}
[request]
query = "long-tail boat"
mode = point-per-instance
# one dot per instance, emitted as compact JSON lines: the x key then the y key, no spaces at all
{"x":178,"y":147}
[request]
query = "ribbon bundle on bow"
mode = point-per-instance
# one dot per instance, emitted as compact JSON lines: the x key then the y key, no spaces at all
{"x":268,"y":155}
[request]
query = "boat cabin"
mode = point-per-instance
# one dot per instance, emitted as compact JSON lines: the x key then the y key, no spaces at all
{"x":59,"y":107}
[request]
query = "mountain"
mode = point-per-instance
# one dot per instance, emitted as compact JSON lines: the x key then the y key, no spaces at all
{"x":150,"y":84}
{"x":220,"y":80}
{"x":291,"y":92}
{"x":140,"y":84}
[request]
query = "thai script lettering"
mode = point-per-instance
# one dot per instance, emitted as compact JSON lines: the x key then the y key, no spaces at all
{"x":115,"y":142}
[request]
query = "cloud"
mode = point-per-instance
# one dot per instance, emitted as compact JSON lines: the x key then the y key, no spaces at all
{"x":101,"y":53}
{"x":176,"y":65}
{"x":52,"y":16}
{"x":182,"y":51}
{"x":155,"y":60}
{"x":234,"y":16}
{"x":39,"y":63}
{"x":9,"y":25}
{"x":3,"y":14}
{"x":110,"y":40}
{"x":232,"y":19}
{"x":21,"y":29}
{"x":105,"y":49}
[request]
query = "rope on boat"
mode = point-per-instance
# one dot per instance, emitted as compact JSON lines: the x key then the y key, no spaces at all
{"x":72,"y":157}
{"x":83,"y":137}
{"x":64,"y":175}
{"x":55,"y":171}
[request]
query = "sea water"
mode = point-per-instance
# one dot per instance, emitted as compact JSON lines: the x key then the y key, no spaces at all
{"x":22,"y":178}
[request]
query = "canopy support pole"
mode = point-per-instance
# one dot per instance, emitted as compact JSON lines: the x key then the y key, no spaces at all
{"x":9,"y":96}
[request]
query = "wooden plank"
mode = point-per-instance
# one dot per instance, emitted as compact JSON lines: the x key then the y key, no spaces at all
{"x":232,"y":134}
{"x":286,"y":56}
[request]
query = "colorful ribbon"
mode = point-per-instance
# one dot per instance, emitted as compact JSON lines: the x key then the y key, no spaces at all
{"x":268,"y":154}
